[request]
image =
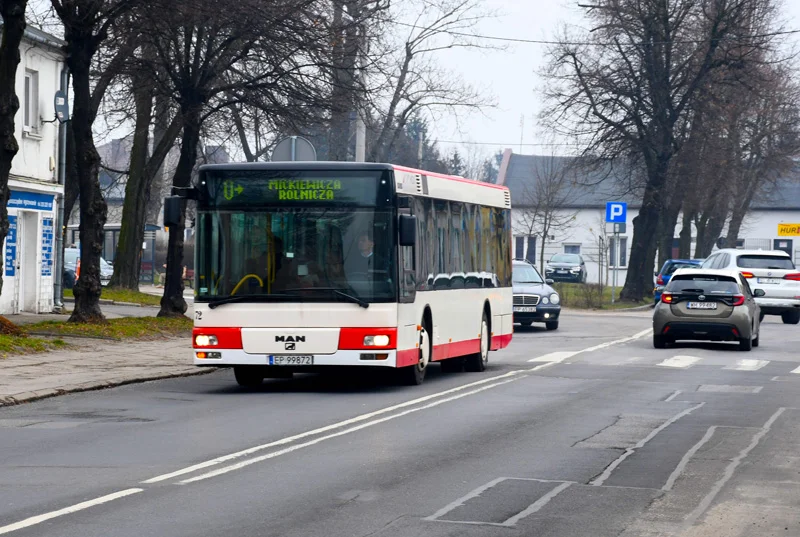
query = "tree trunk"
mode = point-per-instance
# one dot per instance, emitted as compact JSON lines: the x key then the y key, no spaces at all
{"x":172,"y":303}
{"x":71,"y":186}
{"x":13,"y":29}
{"x":92,"y":205}
{"x":708,"y":231}
{"x":685,"y":242}
{"x":128,"y":259}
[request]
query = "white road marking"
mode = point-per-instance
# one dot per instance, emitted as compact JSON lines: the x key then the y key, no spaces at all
{"x":314,"y":432}
{"x":248,"y":462}
{"x":686,"y":458}
{"x":796,"y":371}
{"x":747,"y":365}
{"x":555,"y":357}
{"x":704,"y":504}
{"x":675,"y":394}
{"x":464,"y":499}
{"x":680,"y":362}
{"x":628,"y":452}
{"x":38,"y":519}
{"x":725,"y":388}
{"x":539,"y":504}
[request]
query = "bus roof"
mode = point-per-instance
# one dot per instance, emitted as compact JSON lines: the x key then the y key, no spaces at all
{"x":408,"y":181}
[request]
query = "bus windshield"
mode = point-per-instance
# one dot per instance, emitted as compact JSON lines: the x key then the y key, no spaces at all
{"x":302,"y":254}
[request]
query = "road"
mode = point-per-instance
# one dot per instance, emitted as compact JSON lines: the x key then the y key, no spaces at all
{"x":584,"y":431}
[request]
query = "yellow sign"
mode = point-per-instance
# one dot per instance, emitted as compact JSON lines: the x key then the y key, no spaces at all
{"x":788,"y":230}
{"x":305,"y":189}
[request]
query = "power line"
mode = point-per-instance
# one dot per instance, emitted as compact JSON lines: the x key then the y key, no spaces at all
{"x":506,"y":144}
{"x":601,"y":44}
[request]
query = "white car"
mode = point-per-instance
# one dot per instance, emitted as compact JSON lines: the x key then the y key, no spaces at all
{"x":770,"y":270}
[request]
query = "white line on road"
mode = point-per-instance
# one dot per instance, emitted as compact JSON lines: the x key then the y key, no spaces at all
{"x":747,"y":365}
{"x":705,"y":503}
{"x":796,"y":371}
{"x":686,"y":458}
{"x":680,"y":362}
{"x":538,"y":505}
{"x":34,"y":520}
{"x":464,"y":499}
{"x":248,"y":462}
{"x":558,"y":357}
{"x":628,"y":452}
{"x":675,"y":394}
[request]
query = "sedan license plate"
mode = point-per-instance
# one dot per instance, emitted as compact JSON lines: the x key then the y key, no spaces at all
{"x":525,"y":309}
{"x":702,"y":305}
{"x":769,"y":280}
{"x":291,"y":360}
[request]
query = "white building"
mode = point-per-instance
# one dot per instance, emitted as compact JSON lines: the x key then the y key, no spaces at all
{"x":584,"y":230}
{"x":28,"y":276}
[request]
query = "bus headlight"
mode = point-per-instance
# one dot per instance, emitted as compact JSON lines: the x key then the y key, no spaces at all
{"x":376,"y":341}
{"x":554,"y":298}
{"x":203,"y":340}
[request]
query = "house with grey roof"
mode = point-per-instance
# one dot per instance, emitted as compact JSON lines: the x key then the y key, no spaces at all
{"x":579,"y":215}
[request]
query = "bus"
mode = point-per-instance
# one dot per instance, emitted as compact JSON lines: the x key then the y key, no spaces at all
{"x":307,"y":266}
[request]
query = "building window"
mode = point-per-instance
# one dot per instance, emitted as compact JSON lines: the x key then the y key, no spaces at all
{"x":519,"y":247}
{"x":622,"y":260}
{"x":31,"y":103}
{"x":572,"y":249}
{"x":530,"y":256}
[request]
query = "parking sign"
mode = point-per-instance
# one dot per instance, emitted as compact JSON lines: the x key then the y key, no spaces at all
{"x":616,"y":212}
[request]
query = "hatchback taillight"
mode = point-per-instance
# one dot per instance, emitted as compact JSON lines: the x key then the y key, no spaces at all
{"x":667,"y":298}
{"x":748,"y":275}
{"x":738,"y":300}
{"x":795,"y":277}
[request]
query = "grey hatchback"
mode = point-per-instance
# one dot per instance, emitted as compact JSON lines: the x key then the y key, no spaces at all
{"x":710,"y":305}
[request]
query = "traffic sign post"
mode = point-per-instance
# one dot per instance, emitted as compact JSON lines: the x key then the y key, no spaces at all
{"x":617,"y":216}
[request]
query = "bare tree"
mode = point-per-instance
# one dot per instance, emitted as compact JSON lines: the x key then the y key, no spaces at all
{"x":12,"y":25}
{"x":627,"y":88}
{"x":543,"y":207}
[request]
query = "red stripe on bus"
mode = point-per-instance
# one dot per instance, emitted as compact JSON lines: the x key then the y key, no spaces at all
{"x":501,"y":342}
{"x":457,"y":348}
{"x":449,"y":177}
{"x":407,"y":357}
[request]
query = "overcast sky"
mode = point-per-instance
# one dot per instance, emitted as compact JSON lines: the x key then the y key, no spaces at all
{"x":511,"y":74}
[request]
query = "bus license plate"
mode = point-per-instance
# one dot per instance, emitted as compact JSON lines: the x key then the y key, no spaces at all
{"x":291,"y":360}
{"x":525,"y":309}
{"x":769,"y":280}
{"x":702,"y":305}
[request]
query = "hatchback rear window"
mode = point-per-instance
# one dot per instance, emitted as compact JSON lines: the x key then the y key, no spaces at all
{"x":774,"y":262}
{"x":703,"y":285}
{"x":672,"y":267}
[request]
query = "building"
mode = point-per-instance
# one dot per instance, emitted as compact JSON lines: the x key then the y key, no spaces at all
{"x":29,"y":278}
{"x":581,"y":216}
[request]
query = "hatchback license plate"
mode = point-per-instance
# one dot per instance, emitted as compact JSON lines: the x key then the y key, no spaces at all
{"x":769,"y":280}
{"x":291,"y":360}
{"x":702,"y":305}
{"x":525,"y":309}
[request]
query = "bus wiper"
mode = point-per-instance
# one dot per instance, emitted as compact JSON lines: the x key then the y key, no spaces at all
{"x":246,"y":298}
{"x":352,"y":298}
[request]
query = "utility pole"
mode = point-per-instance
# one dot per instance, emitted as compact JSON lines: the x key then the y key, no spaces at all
{"x":361,"y":138}
{"x":521,"y":131}
{"x":419,"y":149}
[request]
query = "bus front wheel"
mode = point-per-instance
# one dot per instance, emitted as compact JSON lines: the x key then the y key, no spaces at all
{"x":414,"y":375}
{"x":249,"y":376}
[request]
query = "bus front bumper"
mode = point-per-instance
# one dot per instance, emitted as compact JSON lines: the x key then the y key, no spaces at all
{"x":228,"y":358}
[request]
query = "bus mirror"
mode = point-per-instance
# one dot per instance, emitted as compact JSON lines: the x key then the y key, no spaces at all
{"x":172,"y":211}
{"x":408,"y":230}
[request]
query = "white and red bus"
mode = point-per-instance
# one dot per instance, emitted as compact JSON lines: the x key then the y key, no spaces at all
{"x":305,"y":266}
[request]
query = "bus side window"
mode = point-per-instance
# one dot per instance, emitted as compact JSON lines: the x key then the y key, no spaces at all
{"x":408,"y":272}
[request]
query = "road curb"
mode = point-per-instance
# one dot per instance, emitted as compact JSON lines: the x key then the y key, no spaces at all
{"x":107,"y":302}
{"x":30,"y":397}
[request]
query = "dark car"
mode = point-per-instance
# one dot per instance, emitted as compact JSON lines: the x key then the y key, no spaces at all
{"x":670,"y":266}
{"x":566,"y":268}
{"x":534,"y":300}
{"x":69,"y":277}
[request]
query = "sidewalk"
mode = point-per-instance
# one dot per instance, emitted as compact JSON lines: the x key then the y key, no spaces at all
{"x":93,"y":366}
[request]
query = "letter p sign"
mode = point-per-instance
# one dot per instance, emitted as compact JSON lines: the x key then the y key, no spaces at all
{"x":616,"y":212}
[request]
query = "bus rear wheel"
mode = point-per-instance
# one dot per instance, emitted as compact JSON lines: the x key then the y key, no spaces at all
{"x":249,"y":376}
{"x":477,"y":362}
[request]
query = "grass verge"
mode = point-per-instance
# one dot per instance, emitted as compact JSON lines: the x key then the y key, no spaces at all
{"x":592,"y":297}
{"x":135,"y":328}
{"x":27,"y":345}
{"x":124,"y":295}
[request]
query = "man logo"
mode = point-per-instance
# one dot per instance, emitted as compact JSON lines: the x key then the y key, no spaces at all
{"x":289,"y":346}
{"x":290,"y":339}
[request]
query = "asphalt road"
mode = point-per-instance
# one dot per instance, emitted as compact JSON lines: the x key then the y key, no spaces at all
{"x":587,"y":431}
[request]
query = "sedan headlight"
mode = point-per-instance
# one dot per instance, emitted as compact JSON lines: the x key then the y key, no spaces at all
{"x":555,"y":299}
{"x":545,"y":300}
{"x":575,"y":269}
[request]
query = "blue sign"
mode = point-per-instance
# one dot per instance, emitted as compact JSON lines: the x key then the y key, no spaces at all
{"x":11,"y":247}
{"x":32,"y":201}
{"x":47,"y":246}
{"x":616,"y":212}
